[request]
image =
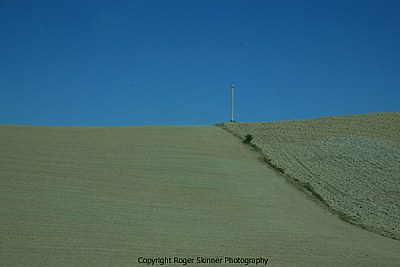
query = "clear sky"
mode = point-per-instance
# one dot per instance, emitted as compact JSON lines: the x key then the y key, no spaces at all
{"x":79,"y":62}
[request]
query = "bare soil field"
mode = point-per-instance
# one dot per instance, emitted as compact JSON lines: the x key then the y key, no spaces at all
{"x":352,"y":163}
{"x":106,"y":196}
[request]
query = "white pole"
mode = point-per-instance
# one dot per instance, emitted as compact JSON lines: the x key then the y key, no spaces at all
{"x":233,"y":102}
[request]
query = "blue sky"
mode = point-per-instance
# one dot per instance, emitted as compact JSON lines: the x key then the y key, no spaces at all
{"x":172,"y":62}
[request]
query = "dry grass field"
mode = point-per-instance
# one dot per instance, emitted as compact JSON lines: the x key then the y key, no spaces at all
{"x":351,"y":162}
{"x":105,"y":196}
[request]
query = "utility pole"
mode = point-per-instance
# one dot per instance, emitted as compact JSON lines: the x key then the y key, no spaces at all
{"x":233,"y":101}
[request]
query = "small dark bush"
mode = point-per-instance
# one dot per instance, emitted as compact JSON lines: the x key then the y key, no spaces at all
{"x":248,"y":139}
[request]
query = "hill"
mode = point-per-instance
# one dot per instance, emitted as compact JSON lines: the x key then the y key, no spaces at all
{"x":351,"y":163}
{"x":114,"y":196}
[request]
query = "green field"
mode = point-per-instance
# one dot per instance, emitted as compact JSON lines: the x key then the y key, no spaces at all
{"x":105,"y":196}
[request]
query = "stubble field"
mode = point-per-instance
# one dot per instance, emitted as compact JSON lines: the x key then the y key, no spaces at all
{"x":351,"y":162}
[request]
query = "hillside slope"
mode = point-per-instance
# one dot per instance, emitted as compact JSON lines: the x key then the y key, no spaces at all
{"x":105,"y":196}
{"x":351,"y":162}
